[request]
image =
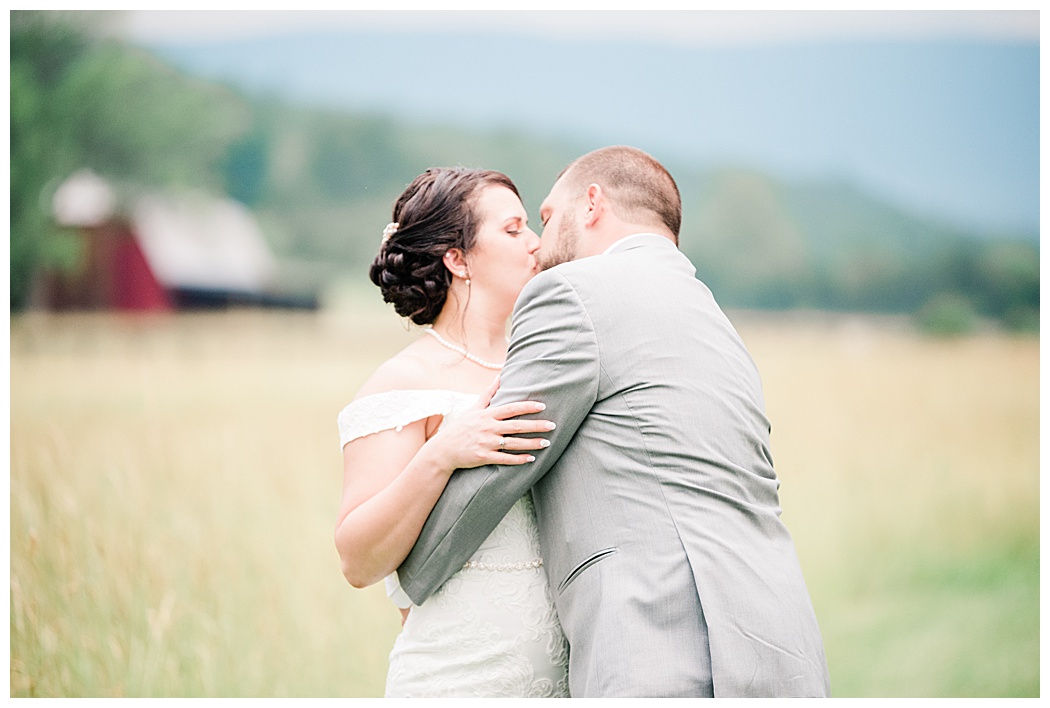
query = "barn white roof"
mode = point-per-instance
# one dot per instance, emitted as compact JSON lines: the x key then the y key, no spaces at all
{"x":190,"y":241}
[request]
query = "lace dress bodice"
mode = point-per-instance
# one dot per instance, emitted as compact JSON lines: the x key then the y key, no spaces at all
{"x":491,"y":629}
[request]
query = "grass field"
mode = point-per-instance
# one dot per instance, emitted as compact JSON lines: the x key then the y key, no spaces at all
{"x":174,"y":484}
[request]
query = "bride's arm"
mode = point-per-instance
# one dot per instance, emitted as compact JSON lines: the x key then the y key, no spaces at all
{"x":392,"y":479}
{"x":390,"y":484}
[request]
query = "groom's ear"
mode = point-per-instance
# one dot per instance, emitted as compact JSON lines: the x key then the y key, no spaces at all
{"x":594,"y":199}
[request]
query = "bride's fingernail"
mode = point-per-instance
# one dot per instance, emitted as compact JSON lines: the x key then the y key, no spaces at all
{"x":551,"y":426}
{"x":530,"y":458}
{"x":540,"y":406}
{"x":545,"y":443}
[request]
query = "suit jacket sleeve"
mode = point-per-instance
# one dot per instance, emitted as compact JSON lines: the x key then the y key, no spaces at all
{"x":553,"y":358}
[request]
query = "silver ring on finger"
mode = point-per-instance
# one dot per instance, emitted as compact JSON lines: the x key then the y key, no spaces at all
{"x":502,"y":442}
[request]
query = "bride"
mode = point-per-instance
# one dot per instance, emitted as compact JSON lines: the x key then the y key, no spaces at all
{"x":456,"y":256}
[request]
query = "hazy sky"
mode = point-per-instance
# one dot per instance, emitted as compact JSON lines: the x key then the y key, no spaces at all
{"x":696,"y":28}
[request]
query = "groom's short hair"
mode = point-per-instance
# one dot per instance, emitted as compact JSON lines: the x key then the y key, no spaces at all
{"x":634,"y":181}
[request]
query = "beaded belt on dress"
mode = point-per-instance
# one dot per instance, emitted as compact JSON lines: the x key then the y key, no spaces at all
{"x":520,"y":565}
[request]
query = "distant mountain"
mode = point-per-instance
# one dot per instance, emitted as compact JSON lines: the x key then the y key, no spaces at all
{"x":946,"y":129}
{"x":758,"y":241}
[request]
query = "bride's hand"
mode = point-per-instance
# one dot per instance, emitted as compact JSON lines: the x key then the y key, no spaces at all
{"x":482,"y":436}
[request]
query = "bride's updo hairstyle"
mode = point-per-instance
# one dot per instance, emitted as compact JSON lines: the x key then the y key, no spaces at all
{"x":436,"y":213}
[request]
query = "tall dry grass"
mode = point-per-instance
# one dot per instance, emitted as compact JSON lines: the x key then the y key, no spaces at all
{"x":910,"y":480}
{"x":174,"y":483}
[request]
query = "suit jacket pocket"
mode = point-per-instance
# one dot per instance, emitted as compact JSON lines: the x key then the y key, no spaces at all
{"x":591,"y":560}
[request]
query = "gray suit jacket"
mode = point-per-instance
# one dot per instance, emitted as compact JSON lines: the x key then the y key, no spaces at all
{"x":657,"y":501}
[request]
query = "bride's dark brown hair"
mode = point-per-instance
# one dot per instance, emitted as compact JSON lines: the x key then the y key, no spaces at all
{"x":436,"y":213}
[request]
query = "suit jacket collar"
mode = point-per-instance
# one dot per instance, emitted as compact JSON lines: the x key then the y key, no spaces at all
{"x":638,"y":241}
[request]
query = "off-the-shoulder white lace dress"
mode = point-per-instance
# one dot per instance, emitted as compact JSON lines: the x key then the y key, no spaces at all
{"x":491,"y":629}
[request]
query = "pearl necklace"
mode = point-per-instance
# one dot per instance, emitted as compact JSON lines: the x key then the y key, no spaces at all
{"x":464,"y":352}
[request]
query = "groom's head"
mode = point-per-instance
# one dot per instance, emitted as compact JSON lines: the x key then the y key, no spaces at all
{"x":603,"y":196}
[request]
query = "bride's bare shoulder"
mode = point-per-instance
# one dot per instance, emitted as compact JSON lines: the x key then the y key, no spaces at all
{"x":407,"y":370}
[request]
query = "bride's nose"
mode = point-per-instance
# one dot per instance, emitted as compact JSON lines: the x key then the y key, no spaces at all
{"x":532,"y":241}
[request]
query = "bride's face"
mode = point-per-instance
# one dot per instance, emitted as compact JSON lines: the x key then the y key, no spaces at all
{"x":504,"y":255}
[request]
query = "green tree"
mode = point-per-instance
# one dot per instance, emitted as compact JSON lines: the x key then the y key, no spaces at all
{"x":42,"y":51}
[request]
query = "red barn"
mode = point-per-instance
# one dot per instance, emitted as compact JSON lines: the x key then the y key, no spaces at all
{"x":160,"y":253}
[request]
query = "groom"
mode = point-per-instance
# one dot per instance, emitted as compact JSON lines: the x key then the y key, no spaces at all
{"x":657,"y":501}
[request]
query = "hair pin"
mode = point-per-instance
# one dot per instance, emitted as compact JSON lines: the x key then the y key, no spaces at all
{"x":390,"y":230}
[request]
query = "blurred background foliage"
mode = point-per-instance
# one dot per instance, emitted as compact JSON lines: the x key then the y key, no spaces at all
{"x":322,"y":182}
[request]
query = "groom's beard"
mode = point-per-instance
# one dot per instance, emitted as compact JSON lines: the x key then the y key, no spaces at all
{"x":564,"y":249}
